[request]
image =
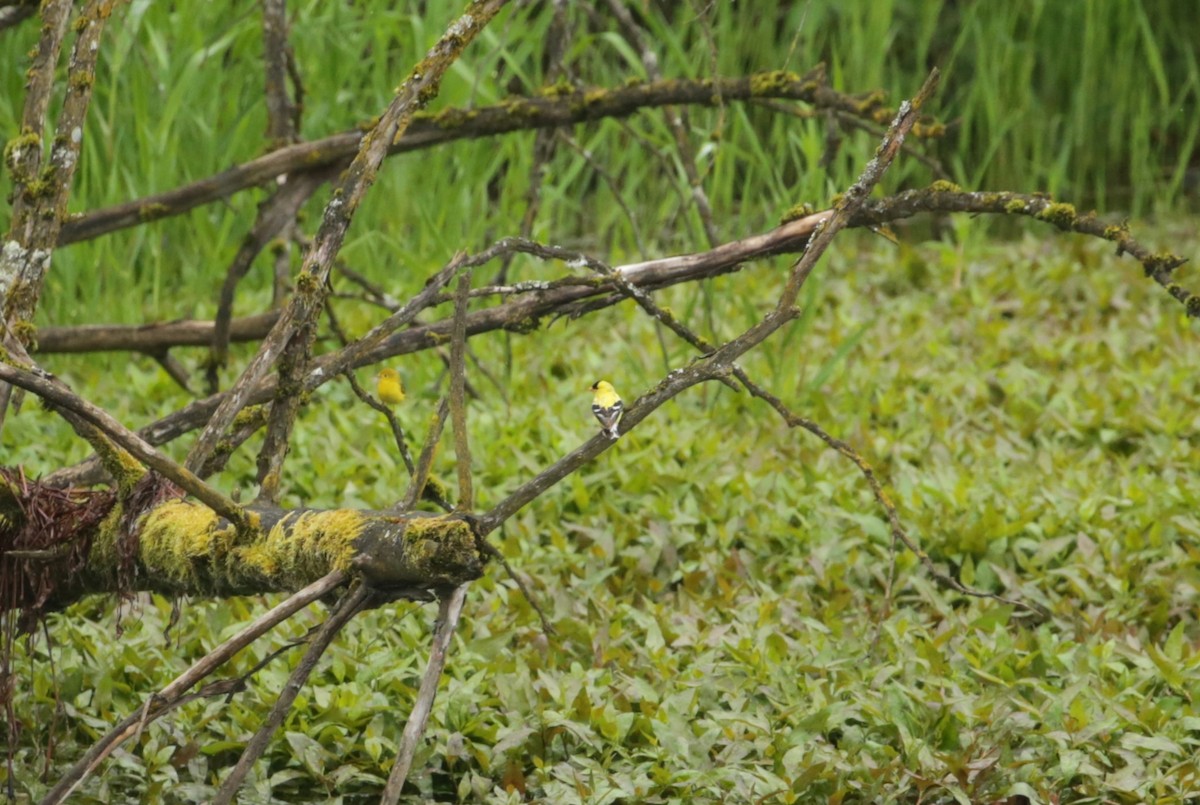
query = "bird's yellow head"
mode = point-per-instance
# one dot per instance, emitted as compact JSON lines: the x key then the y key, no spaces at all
{"x":388,"y":374}
{"x":601,"y":385}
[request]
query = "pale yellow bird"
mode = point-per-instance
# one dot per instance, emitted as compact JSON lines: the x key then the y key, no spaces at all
{"x":389,"y":387}
{"x":607,"y":406}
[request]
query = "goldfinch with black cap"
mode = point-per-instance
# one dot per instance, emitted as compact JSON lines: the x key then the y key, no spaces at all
{"x":607,"y":406}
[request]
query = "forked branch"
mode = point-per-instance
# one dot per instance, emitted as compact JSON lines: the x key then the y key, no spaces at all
{"x":163,"y":702}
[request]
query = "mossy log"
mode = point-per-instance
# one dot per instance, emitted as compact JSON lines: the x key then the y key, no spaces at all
{"x":59,"y":545}
{"x":192,"y":551}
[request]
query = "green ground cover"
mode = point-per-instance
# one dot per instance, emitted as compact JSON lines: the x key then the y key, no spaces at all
{"x":718,"y":582}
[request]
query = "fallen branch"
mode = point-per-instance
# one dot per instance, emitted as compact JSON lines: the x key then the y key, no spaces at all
{"x":350,"y":605}
{"x":557,"y":107}
{"x":448,"y":613}
{"x":179,"y":547}
{"x":150,"y":338}
{"x":576,"y":295}
{"x":171,"y":696}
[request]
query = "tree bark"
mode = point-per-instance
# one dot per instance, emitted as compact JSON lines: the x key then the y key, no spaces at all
{"x":181,"y":547}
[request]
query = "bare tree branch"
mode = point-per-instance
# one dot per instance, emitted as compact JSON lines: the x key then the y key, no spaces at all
{"x":38,"y":216}
{"x":449,"y":611}
{"x":150,"y":338}
{"x":297,"y":322}
{"x":283,"y":115}
{"x":416,"y":487}
{"x":554,"y":109}
{"x":945,"y":197}
{"x":169,"y":697}
{"x":275,"y":215}
{"x":56,"y":392}
{"x":25,"y":158}
{"x":458,"y":403}
{"x":350,"y":605}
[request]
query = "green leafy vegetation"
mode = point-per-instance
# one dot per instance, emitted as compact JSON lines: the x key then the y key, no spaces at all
{"x":718,"y":582}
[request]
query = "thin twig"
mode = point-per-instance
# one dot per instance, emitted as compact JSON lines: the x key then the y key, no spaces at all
{"x":298,"y":320}
{"x":881,"y":496}
{"x":373,"y":293}
{"x":492,"y":551}
{"x":172,"y":366}
{"x":482,"y":369}
{"x":350,"y":604}
{"x":393,"y":422}
{"x":165,"y":700}
{"x":416,"y":487}
{"x":458,"y":403}
{"x":614,"y":187}
{"x":56,"y":392}
{"x":449,"y":610}
{"x":361,"y":393}
{"x":358,"y":353}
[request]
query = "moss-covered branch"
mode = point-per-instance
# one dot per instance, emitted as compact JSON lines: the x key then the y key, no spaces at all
{"x":574,"y":295}
{"x":181,"y":547}
{"x":1159,"y":266}
{"x":287,"y":349}
{"x":554,"y":107}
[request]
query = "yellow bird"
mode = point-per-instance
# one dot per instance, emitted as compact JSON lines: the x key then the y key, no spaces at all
{"x":607,"y":406}
{"x":389,"y":388}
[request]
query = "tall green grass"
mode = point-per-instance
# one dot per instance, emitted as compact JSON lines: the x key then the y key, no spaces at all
{"x":1088,"y":100}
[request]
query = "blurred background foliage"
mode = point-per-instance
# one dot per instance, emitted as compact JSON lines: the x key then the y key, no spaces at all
{"x":718,"y":583}
{"x":1094,"y":102}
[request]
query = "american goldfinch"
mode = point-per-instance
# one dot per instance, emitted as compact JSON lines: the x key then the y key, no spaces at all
{"x":389,"y":388}
{"x":607,"y":406}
